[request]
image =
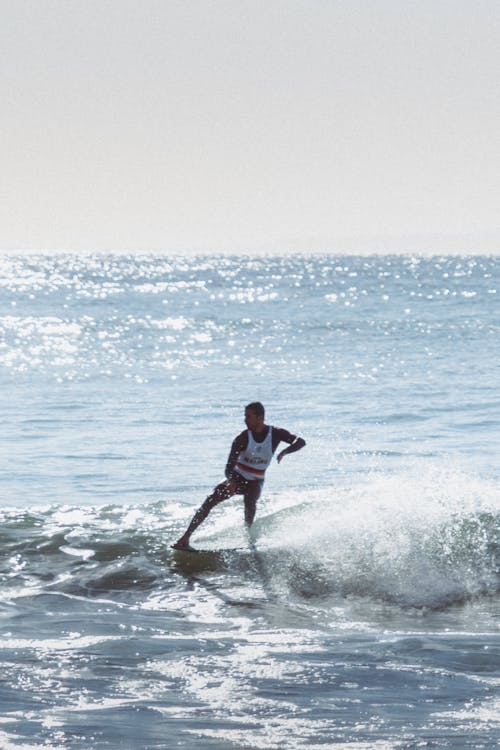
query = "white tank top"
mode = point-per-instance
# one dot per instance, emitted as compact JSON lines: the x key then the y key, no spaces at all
{"x":253,"y":462}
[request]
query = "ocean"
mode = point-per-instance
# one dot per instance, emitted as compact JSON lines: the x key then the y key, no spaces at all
{"x":361,"y":612}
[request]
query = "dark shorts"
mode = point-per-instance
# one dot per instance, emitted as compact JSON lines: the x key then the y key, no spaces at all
{"x":249,"y":488}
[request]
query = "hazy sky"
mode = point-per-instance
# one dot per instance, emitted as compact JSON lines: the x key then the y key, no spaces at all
{"x":247,"y":125}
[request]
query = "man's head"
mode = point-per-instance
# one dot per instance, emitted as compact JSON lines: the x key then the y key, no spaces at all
{"x":254,"y":415}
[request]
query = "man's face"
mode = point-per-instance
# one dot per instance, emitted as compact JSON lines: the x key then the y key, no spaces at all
{"x":252,"y":421}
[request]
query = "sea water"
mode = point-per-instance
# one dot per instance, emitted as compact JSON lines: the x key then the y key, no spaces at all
{"x":362,"y":611}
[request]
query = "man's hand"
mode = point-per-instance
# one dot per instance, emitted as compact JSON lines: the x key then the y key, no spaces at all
{"x":297,"y":444}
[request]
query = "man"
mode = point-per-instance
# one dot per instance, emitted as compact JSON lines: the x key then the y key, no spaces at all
{"x":251,"y":453}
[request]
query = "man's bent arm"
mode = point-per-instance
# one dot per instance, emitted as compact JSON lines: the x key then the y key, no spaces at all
{"x":297,"y":445}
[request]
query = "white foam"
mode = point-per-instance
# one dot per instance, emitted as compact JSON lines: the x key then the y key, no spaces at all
{"x":422,"y":538}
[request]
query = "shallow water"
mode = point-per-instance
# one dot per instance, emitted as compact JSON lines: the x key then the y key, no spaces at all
{"x":362,"y":611}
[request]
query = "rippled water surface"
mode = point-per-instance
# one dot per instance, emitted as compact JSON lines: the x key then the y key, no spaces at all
{"x":363,"y":609}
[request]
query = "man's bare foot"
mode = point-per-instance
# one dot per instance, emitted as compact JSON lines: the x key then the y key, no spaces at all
{"x":181,"y":544}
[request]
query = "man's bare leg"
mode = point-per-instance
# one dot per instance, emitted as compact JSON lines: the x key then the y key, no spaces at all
{"x":222,"y":492}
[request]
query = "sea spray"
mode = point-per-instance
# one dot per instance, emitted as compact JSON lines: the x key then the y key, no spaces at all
{"x":425,"y":538}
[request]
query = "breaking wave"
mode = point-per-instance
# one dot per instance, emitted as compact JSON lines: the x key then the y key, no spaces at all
{"x":416,"y":540}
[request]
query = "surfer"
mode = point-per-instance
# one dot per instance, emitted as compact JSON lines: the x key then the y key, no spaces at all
{"x":250,"y":455}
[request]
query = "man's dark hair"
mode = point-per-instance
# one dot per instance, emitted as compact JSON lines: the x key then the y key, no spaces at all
{"x":257,"y":409}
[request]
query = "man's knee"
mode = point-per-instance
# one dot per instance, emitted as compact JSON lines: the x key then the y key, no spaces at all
{"x":220,"y":493}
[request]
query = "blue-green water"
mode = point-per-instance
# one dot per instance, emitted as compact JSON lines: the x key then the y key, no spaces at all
{"x":364,"y":611}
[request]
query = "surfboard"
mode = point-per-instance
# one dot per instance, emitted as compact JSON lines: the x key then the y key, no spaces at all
{"x":190,"y":560}
{"x":198,"y":551}
{"x":187,"y":548}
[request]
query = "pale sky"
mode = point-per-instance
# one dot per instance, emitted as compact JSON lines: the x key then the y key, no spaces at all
{"x":217,"y":125}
